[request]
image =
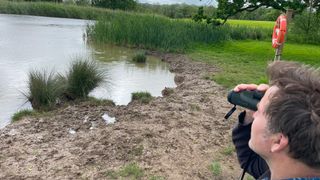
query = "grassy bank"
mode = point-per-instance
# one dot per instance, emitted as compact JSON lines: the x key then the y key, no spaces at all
{"x":245,"y":61}
{"x":158,"y":32}
{"x":51,"y":10}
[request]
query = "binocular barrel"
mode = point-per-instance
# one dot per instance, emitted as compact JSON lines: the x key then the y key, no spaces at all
{"x":247,"y":99}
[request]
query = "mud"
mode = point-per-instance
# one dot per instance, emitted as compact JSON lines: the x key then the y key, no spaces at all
{"x":177,"y":136}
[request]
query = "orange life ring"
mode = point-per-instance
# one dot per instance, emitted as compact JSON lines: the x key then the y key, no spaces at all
{"x":279,"y":31}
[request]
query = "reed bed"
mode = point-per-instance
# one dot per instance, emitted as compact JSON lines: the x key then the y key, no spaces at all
{"x":158,"y":32}
{"x":52,"y":10}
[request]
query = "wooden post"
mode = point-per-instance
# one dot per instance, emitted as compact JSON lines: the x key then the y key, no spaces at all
{"x":279,"y":49}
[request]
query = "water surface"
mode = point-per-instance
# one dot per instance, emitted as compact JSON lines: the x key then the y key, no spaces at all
{"x":125,"y":76}
{"x":30,"y":42}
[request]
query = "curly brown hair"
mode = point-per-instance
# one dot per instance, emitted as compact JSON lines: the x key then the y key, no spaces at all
{"x":294,"y":110}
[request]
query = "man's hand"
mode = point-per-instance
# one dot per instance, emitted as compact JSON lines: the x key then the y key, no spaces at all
{"x":241,"y":87}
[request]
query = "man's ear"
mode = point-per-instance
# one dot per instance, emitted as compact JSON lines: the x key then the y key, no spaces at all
{"x":279,"y":142}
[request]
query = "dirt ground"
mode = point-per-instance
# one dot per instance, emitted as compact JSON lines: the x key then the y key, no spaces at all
{"x":177,"y":136}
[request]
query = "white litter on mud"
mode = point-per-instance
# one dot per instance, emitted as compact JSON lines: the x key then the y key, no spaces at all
{"x":108,"y":119}
{"x":86,"y":118}
{"x":12,"y":132}
{"x":71,"y":131}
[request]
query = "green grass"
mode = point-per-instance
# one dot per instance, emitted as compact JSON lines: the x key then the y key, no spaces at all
{"x":22,"y":113}
{"x":228,"y":151}
{"x":142,"y":97}
{"x":140,"y":57}
{"x":246,"y":61}
{"x":131,"y":171}
{"x":161,"y":33}
{"x":44,"y":90}
{"x":249,"y":23}
{"x":52,"y":10}
{"x":157,"y":178}
{"x":84,"y":75}
{"x":215,"y":168}
{"x":100,"y":102}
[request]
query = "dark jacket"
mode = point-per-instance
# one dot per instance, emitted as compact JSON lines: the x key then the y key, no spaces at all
{"x":256,"y":167}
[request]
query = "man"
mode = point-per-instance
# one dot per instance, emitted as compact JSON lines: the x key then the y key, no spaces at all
{"x":281,"y":140}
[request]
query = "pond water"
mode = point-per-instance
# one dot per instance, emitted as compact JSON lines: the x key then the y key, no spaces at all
{"x":30,"y":42}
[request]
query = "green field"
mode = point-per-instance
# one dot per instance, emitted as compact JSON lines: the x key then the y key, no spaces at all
{"x":246,"y":61}
{"x":248,"y":23}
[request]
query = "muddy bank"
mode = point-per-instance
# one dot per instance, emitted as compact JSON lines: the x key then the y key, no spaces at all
{"x":176,"y":136}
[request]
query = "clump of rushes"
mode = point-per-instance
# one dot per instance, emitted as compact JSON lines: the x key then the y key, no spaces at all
{"x":140,"y":57}
{"x":22,"y":113}
{"x":44,"y":90}
{"x":83,"y":76}
{"x":143,"y":97}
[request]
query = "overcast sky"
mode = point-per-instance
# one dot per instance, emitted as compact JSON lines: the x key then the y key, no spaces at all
{"x":193,"y":2}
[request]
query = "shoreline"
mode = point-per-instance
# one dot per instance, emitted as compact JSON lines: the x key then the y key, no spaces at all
{"x":176,"y":136}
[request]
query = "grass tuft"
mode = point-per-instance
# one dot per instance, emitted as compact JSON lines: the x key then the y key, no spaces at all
{"x":215,"y":168}
{"x":228,"y":151}
{"x":100,"y":102}
{"x":21,"y":114}
{"x":140,"y":57}
{"x":111,"y":174}
{"x":44,"y":90}
{"x":143,"y":97}
{"x":157,"y":178}
{"x":131,"y":170}
{"x":83,"y":76}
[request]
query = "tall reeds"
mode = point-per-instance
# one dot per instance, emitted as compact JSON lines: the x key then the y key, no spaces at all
{"x":158,"y":32}
{"x":52,"y":9}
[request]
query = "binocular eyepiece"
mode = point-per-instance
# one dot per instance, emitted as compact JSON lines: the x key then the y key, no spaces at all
{"x":247,"y":99}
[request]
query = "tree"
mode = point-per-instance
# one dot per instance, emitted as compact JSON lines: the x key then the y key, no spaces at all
{"x":227,"y":8}
{"x":200,"y":17}
{"x":115,"y":4}
{"x":261,"y":14}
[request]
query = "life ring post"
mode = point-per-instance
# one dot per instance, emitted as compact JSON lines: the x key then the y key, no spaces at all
{"x":279,"y":33}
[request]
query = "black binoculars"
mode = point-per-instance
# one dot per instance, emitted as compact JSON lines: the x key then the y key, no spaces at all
{"x":247,"y":99}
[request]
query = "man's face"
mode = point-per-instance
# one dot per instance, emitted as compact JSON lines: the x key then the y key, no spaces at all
{"x":260,"y":141}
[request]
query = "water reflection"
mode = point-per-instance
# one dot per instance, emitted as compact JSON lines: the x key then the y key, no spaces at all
{"x":127,"y":76}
